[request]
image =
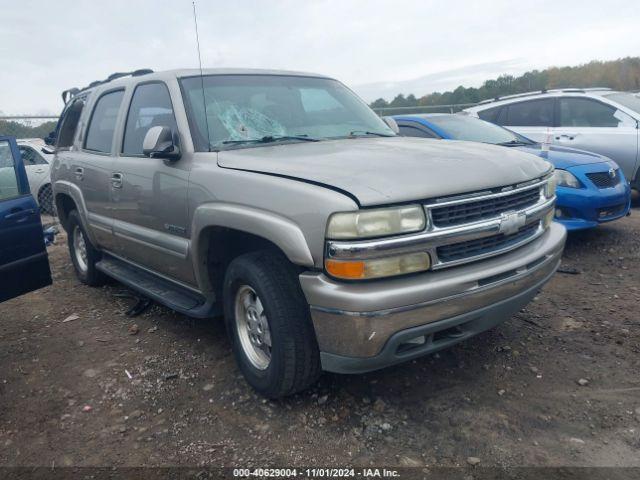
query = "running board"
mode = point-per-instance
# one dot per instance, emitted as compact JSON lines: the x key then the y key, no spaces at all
{"x":163,"y":291}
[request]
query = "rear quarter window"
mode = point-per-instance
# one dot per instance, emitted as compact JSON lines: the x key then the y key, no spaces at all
{"x":102,"y":125}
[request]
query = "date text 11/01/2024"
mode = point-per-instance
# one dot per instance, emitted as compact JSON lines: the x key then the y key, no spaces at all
{"x":315,"y":472}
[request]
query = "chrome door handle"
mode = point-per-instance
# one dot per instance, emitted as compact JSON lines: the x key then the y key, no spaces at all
{"x":116,"y":180}
{"x":569,"y":136}
{"x":79,"y":173}
{"x":40,"y":171}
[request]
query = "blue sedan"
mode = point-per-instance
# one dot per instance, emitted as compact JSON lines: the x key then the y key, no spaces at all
{"x":591,"y":188}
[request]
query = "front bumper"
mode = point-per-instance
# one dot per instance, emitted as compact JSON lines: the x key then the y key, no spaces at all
{"x":587,"y":207}
{"x":369,"y":325}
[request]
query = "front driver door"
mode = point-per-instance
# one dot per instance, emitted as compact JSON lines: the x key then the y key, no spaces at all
{"x":24,"y":265}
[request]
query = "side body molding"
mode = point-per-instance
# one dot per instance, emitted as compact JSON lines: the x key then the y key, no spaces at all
{"x":277,"y":229}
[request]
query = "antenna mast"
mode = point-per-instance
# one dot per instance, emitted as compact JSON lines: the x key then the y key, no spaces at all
{"x":204,"y":102}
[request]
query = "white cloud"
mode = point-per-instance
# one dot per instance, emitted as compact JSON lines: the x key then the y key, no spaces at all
{"x":48,"y":46}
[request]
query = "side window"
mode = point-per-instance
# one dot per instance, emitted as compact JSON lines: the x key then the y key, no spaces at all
{"x":8,"y":177}
{"x":490,"y":114}
{"x":583,"y":112}
{"x":69,"y":124}
{"x":150,"y":107}
{"x":30,"y":156}
{"x":410,"y":131}
{"x":532,"y":113}
{"x":103,"y":122}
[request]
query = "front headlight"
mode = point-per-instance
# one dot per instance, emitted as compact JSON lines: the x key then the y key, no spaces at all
{"x":566,"y":179}
{"x":377,"y":222}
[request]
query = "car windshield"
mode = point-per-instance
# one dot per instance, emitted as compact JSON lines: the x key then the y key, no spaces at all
{"x":462,"y":127}
{"x":626,"y":100}
{"x":252,"y":110}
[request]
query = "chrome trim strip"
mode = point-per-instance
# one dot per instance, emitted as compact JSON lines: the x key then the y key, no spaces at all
{"x":519,"y":274}
{"x":469,"y":199}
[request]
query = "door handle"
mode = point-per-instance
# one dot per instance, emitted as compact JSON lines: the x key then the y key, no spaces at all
{"x":79,"y":173}
{"x":19,"y":214}
{"x":116,"y":180}
{"x":566,"y":136}
{"x":39,"y":171}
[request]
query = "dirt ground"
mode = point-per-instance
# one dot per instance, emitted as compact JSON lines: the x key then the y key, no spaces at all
{"x":558,"y":385}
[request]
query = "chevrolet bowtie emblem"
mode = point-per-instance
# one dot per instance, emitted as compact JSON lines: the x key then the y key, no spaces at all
{"x":511,"y":222}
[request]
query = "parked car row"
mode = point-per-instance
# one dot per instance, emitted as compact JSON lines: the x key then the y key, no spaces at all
{"x":280,"y":199}
{"x":591,"y":188}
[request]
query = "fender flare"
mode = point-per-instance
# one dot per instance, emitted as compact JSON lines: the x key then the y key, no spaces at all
{"x":279,"y":230}
{"x":71,"y":190}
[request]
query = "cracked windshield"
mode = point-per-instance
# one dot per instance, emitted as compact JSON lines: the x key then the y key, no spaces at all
{"x":242,"y":110}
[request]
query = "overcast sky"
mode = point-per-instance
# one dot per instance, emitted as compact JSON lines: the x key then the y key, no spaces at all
{"x":377,"y":47}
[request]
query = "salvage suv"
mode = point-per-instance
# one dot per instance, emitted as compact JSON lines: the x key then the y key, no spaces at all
{"x":282,"y":201}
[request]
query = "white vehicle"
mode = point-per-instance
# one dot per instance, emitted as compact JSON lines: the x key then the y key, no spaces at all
{"x":599,"y":120}
{"x":37,"y":159}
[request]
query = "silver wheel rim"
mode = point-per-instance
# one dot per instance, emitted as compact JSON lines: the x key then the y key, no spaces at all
{"x":80,"y":249}
{"x":252,"y":326}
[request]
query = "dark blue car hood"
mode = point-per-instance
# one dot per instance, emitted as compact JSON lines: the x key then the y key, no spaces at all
{"x":563,"y":157}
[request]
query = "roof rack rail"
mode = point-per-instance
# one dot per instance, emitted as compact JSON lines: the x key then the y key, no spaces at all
{"x":538,"y":92}
{"x":72,"y":92}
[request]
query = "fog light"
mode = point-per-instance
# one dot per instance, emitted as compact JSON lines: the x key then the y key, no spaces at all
{"x":379,"y":267}
{"x":558,"y":213}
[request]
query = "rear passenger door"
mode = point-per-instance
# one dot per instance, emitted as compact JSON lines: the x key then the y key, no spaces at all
{"x":24,"y":265}
{"x":595,"y":126}
{"x":532,"y":118}
{"x":95,"y":167}
{"x":149,"y":205}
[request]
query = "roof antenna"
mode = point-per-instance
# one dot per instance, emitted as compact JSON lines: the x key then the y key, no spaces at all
{"x":204,"y":103}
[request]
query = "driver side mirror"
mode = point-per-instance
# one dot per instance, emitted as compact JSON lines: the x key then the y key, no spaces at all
{"x":160,"y":142}
{"x":392,"y":124}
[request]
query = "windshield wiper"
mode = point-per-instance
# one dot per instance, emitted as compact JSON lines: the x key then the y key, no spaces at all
{"x":272,"y":138}
{"x":356,"y":133}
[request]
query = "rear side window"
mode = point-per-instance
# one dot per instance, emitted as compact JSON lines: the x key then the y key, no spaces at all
{"x":583,"y":112}
{"x":30,"y":157}
{"x":150,"y":107}
{"x":532,"y":113}
{"x":490,"y":114}
{"x":69,"y":124}
{"x":103,"y":122}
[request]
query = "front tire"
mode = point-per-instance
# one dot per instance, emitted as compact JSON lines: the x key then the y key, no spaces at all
{"x":268,"y":320}
{"x":84,"y":255}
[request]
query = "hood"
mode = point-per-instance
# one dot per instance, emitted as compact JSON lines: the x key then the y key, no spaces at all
{"x":379,"y":171}
{"x":564,"y":157}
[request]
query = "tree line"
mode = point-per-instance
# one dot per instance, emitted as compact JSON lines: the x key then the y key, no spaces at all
{"x":621,"y":74}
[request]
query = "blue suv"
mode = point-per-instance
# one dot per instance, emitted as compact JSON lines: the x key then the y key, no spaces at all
{"x":591,"y":188}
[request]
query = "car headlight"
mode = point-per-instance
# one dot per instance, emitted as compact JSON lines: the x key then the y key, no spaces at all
{"x":378,"y":267}
{"x":377,"y":222}
{"x":566,"y":179}
{"x":550,"y":187}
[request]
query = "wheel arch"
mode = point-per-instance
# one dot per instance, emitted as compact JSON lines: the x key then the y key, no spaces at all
{"x":221,"y":232}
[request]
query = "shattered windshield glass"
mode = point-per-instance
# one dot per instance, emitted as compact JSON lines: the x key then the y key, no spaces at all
{"x":242,"y":110}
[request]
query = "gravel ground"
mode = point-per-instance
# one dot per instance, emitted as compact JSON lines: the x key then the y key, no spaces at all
{"x":559,"y":385}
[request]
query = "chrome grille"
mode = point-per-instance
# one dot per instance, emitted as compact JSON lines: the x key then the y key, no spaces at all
{"x":483,"y":246}
{"x":473,"y":211}
{"x":603,"y":179}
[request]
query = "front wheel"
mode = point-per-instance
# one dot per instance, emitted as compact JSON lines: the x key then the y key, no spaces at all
{"x":268,"y":320}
